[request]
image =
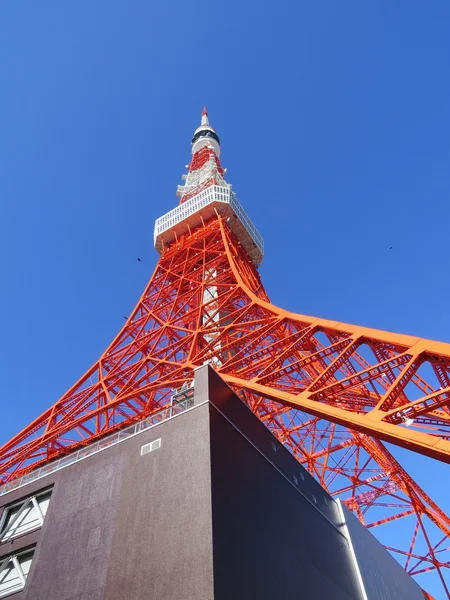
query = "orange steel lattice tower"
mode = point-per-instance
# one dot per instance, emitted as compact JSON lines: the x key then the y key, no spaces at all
{"x":333,"y":393}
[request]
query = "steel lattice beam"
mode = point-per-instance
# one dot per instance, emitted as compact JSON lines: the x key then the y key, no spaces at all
{"x":331,"y":392}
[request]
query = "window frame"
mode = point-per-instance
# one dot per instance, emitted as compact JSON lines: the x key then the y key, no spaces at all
{"x":15,"y":559}
{"x":24,"y":503}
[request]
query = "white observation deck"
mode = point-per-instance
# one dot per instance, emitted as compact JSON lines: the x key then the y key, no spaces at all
{"x":201,"y":208}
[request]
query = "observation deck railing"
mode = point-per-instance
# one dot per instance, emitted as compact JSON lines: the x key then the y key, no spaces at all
{"x":202,"y":206}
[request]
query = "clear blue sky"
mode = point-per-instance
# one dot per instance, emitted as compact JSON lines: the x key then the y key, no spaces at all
{"x":335,"y":127}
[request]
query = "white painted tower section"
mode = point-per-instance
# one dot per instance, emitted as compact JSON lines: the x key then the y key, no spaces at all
{"x":205,"y":194}
{"x":201,"y":142}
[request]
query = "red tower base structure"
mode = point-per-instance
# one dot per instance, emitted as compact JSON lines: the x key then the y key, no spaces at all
{"x":332,"y":393}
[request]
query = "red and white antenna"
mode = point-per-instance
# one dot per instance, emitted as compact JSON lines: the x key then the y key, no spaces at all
{"x":205,"y":135}
{"x":205,"y":168}
{"x":205,"y":120}
{"x":204,"y":194}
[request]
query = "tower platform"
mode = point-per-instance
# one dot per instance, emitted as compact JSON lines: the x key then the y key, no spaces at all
{"x":199,"y":209}
{"x":200,"y":503}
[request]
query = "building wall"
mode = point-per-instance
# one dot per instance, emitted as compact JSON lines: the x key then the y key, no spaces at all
{"x":124,"y":526}
{"x":162,"y":539}
{"x":383,"y":577}
{"x":270,"y":539}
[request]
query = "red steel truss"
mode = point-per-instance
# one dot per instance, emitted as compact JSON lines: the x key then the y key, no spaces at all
{"x":332,"y":393}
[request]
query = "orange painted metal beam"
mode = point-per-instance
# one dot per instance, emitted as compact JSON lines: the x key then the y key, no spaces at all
{"x":423,"y":443}
{"x":331,"y":392}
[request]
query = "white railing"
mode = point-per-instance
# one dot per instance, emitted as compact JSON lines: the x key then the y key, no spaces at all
{"x":181,"y":401}
{"x":214,"y":193}
{"x":183,"y":211}
{"x":247,"y":222}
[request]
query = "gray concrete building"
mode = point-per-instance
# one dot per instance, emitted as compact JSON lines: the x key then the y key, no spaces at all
{"x":199,"y":502}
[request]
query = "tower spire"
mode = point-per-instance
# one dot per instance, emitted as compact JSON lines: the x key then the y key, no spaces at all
{"x":206,"y":192}
{"x":205,"y":120}
{"x":204,"y":169}
{"x":205,"y":135}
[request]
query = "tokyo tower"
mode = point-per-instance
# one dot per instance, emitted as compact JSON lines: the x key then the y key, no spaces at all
{"x":331,"y":392}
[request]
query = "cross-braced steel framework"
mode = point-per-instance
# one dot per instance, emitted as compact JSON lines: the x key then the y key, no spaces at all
{"x":332,"y":393}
